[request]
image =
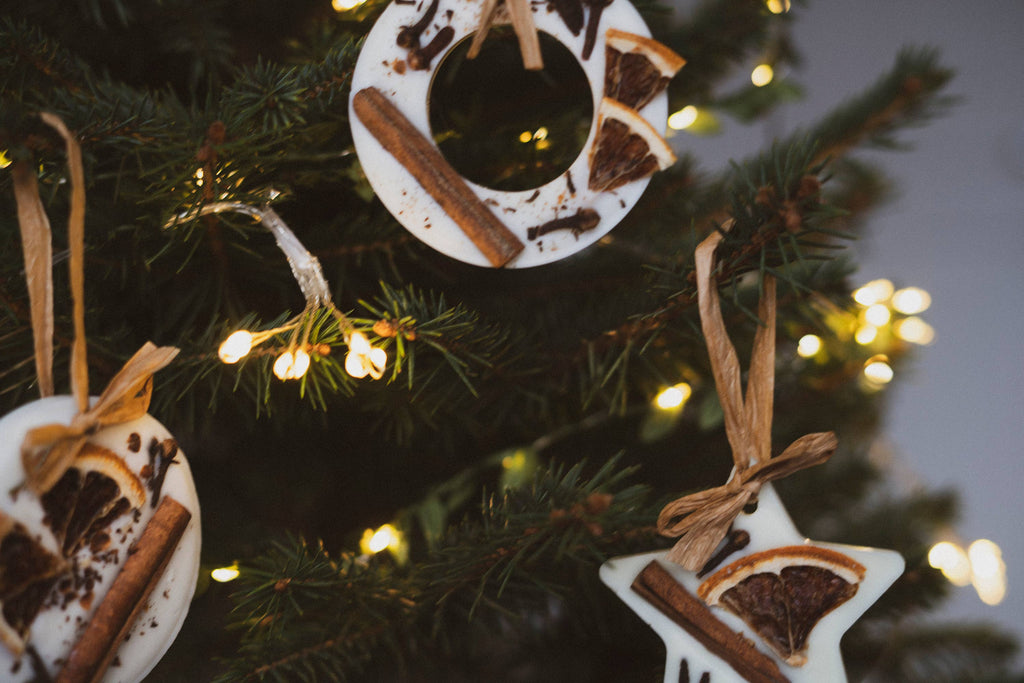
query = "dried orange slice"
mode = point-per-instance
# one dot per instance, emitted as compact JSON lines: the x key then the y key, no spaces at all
{"x":27,"y":573}
{"x":637,"y":68}
{"x":626,"y":148}
{"x":94,"y":491}
{"x":784,"y":592}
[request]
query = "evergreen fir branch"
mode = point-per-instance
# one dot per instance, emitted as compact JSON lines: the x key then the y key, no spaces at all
{"x":947,"y":654}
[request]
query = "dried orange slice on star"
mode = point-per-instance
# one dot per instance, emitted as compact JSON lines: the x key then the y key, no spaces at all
{"x":784,"y":592}
{"x":626,"y":148}
{"x":97,"y":489}
{"x":637,"y":68}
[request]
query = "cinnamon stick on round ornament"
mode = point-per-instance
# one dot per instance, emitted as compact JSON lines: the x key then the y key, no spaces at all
{"x":127,"y":596}
{"x":424,"y":161}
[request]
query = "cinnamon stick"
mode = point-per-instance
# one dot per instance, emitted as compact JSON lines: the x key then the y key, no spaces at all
{"x":658,"y":587}
{"x":426,"y":164}
{"x":115,"y":615}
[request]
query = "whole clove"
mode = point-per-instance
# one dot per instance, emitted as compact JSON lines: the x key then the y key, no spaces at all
{"x":419,"y":58}
{"x":409,"y":36}
{"x":579,"y":223}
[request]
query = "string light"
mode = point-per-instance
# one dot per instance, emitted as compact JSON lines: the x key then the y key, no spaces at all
{"x":981,"y":565}
{"x":873,"y":292}
{"x":673,"y":397}
{"x":877,"y":314}
{"x":952,"y":561}
{"x":291,"y":364}
{"x":808,"y":346}
{"x":525,"y":136}
{"x":684,"y":118}
{"x":762,"y":75}
{"x":878,"y":371}
{"x":387,"y":537}
{"x":541,"y":134}
{"x":515,"y":461}
{"x":363,"y":359}
{"x":236,"y":347}
{"x":225,"y":574}
{"x":778,"y":6}
{"x":345,"y":5}
{"x":4,"y":161}
{"x":911,"y":301}
{"x":914,"y":330}
{"x":865,"y":334}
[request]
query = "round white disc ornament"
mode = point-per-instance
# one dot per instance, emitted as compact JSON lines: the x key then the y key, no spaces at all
{"x":382,"y":65}
{"x":58,"y":626}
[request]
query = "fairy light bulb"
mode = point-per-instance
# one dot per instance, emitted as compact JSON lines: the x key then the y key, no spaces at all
{"x":345,"y":5}
{"x":777,"y":6}
{"x":873,"y":292}
{"x":877,"y":314}
{"x":952,"y":561}
{"x":236,"y":347}
{"x":525,"y":136}
{"x":878,"y":371}
{"x":673,"y":397}
{"x":808,"y":346}
{"x":911,"y":300}
{"x":865,"y":334}
{"x":914,"y":330}
{"x":225,"y":574}
{"x":762,"y":75}
{"x":988,"y":571}
{"x":363,"y":359}
{"x":291,"y":365}
{"x":684,"y":118}
{"x":4,"y":160}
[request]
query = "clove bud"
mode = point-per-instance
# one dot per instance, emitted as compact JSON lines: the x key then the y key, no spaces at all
{"x":419,"y":58}
{"x":409,"y":36}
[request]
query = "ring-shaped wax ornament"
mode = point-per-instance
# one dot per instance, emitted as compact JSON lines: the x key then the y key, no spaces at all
{"x":512,"y":229}
{"x":150,"y":459}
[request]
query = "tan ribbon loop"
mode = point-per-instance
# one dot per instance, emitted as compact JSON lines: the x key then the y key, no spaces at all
{"x":49,"y":450}
{"x":701,"y":520}
{"x":36,"y":245}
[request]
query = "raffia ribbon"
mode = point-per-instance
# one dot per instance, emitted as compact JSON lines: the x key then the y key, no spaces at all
{"x":701,"y":520}
{"x":47,"y":451}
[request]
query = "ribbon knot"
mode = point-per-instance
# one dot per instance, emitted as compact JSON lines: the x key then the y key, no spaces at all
{"x":701,"y":520}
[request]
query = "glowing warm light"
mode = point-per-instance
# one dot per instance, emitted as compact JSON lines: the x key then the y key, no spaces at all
{"x":873,"y":292}
{"x":877,"y":314}
{"x":541,"y":134}
{"x":952,"y":561}
{"x":198,"y":176}
{"x":225,"y":574}
{"x":363,"y":359}
{"x":878,"y":371}
{"x":525,"y":136}
{"x":777,"y":6}
{"x":988,"y":571}
{"x":387,"y":537}
{"x":762,"y":75}
{"x":345,"y":5}
{"x":542,"y":144}
{"x":673,"y":397}
{"x":516,"y":461}
{"x":684,"y":118}
{"x":865,"y":334}
{"x":911,"y":300}
{"x":808,"y":346}
{"x":291,"y":365}
{"x":914,"y":330}
{"x":4,"y":161}
{"x":236,"y":347}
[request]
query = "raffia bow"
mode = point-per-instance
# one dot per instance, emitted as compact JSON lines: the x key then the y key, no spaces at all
{"x":701,"y":520}
{"x":47,"y":451}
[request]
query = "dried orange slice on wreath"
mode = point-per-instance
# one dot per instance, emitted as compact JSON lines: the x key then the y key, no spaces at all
{"x":92,"y":493}
{"x":784,"y":592}
{"x":637,"y":68}
{"x":627,"y":148}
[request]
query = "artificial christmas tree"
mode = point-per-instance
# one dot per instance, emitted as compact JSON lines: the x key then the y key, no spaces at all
{"x":509,"y":444}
